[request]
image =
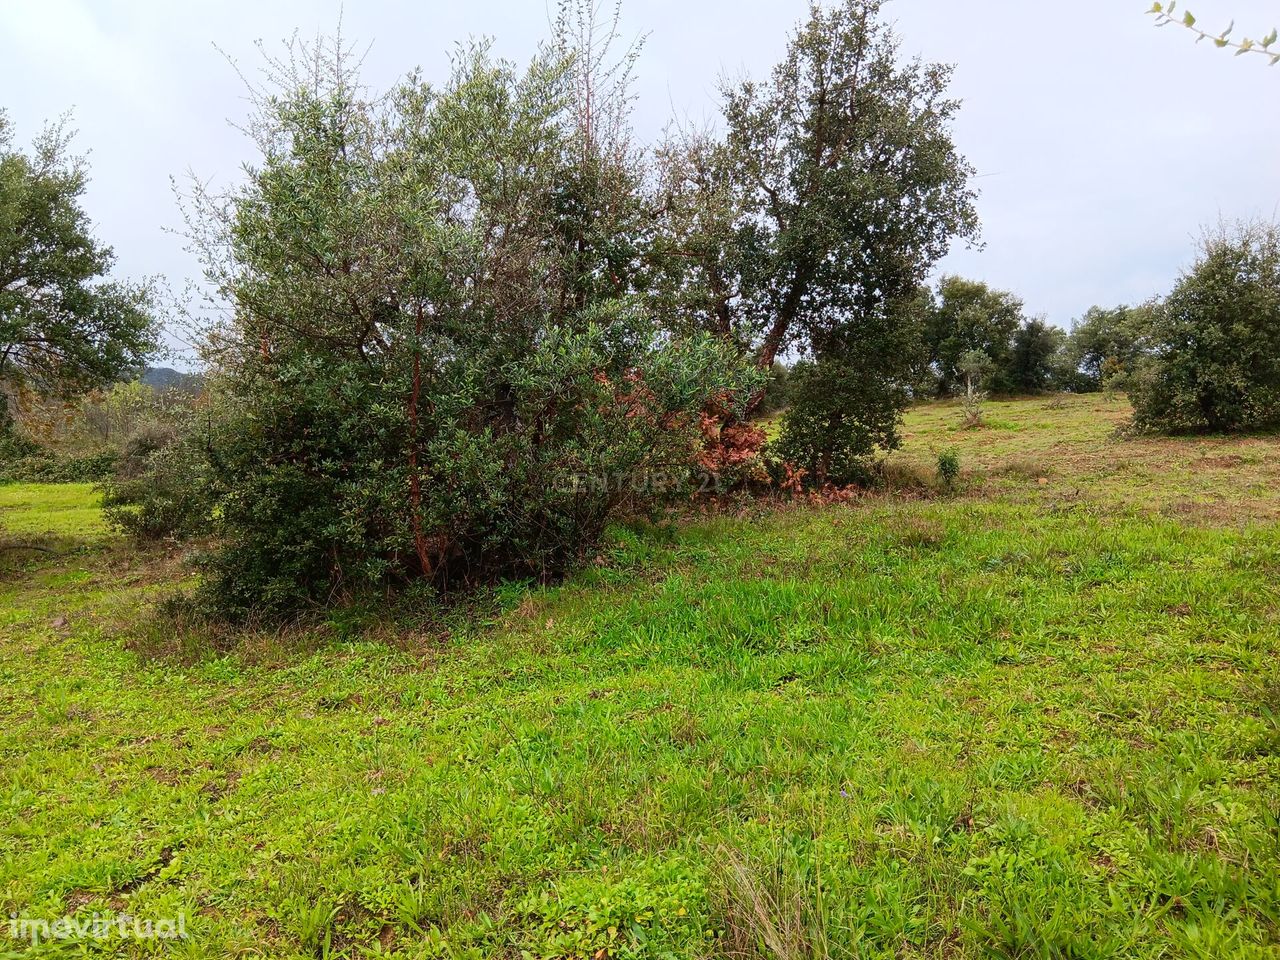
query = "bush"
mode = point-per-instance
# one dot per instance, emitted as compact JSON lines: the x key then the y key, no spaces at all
{"x":1216,"y":341}
{"x":976,"y":368}
{"x":522,"y":464}
{"x":160,"y":491}
{"x":949,"y":468}
{"x":840,"y":415}
{"x":43,"y":467}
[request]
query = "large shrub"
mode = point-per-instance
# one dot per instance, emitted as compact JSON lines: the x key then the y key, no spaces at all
{"x":439,"y":367}
{"x":840,"y":414}
{"x":1216,"y":340}
{"x":162,"y":484}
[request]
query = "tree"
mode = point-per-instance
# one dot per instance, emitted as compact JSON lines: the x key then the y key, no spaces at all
{"x":435,"y":370}
{"x":975,"y":367}
{"x":1166,"y":14}
{"x":63,"y":327}
{"x":844,"y":406}
{"x":1033,"y":356}
{"x":1215,"y":364}
{"x":968,"y":315}
{"x":834,"y":189}
{"x":1106,"y":345}
{"x":832,"y":423}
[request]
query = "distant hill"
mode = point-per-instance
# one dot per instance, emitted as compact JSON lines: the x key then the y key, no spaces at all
{"x":166,"y":378}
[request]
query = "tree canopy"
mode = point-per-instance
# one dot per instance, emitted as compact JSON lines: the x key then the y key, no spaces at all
{"x":835,"y":188}
{"x":964,"y":316}
{"x":63,"y":326}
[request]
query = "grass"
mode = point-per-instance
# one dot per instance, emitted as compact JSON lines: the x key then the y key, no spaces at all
{"x":1016,"y":722}
{"x":1071,"y":443}
{"x":51,"y":509}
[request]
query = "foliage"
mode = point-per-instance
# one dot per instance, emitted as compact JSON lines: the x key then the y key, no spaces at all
{"x":1166,"y":14}
{"x":841,"y":413}
{"x":163,"y":484}
{"x":63,"y":328}
{"x":100,"y":421}
{"x":15,"y":446}
{"x":949,"y":467}
{"x":653,"y":913}
{"x":967,"y":316}
{"x":777,"y":391}
{"x":438,"y":367}
{"x":975,"y":367}
{"x":42,"y":467}
{"x":1033,"y":357}
{"x":89,"y":438}
{"x":834,"y":189}
{"x":1106,"y":346}
{"x":1215,"y":364}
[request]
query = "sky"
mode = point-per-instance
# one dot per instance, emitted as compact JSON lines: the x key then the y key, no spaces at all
{"x":1103,"y":144}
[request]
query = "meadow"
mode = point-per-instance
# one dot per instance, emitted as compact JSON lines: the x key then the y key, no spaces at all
{"x":1036,"y":716}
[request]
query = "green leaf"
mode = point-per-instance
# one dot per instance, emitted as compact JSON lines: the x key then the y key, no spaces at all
{"x":1156,"y":8}
{"x":1188,"y":20}
{"x":1270,"y":38}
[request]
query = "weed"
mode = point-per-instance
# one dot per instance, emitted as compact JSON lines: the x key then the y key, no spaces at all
{"x":949,"y":467}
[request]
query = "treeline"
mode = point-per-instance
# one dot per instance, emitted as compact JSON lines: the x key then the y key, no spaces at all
{"x":1205,"y":358}
{"x":1021,"y":354}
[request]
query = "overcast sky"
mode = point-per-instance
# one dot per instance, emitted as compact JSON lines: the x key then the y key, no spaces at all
{"x":1102,"y":143}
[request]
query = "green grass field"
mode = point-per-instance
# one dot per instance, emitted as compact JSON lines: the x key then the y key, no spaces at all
{"x":1039,"y":718}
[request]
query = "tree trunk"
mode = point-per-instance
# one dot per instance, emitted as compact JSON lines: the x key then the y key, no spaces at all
{"x":415,"y":482}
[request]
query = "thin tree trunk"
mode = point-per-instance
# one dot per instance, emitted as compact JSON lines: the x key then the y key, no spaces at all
{"x":415,"y":482}
{"x":772,"y":343}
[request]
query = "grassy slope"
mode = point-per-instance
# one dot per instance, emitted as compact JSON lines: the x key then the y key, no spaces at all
{"x":1012,"y":721}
